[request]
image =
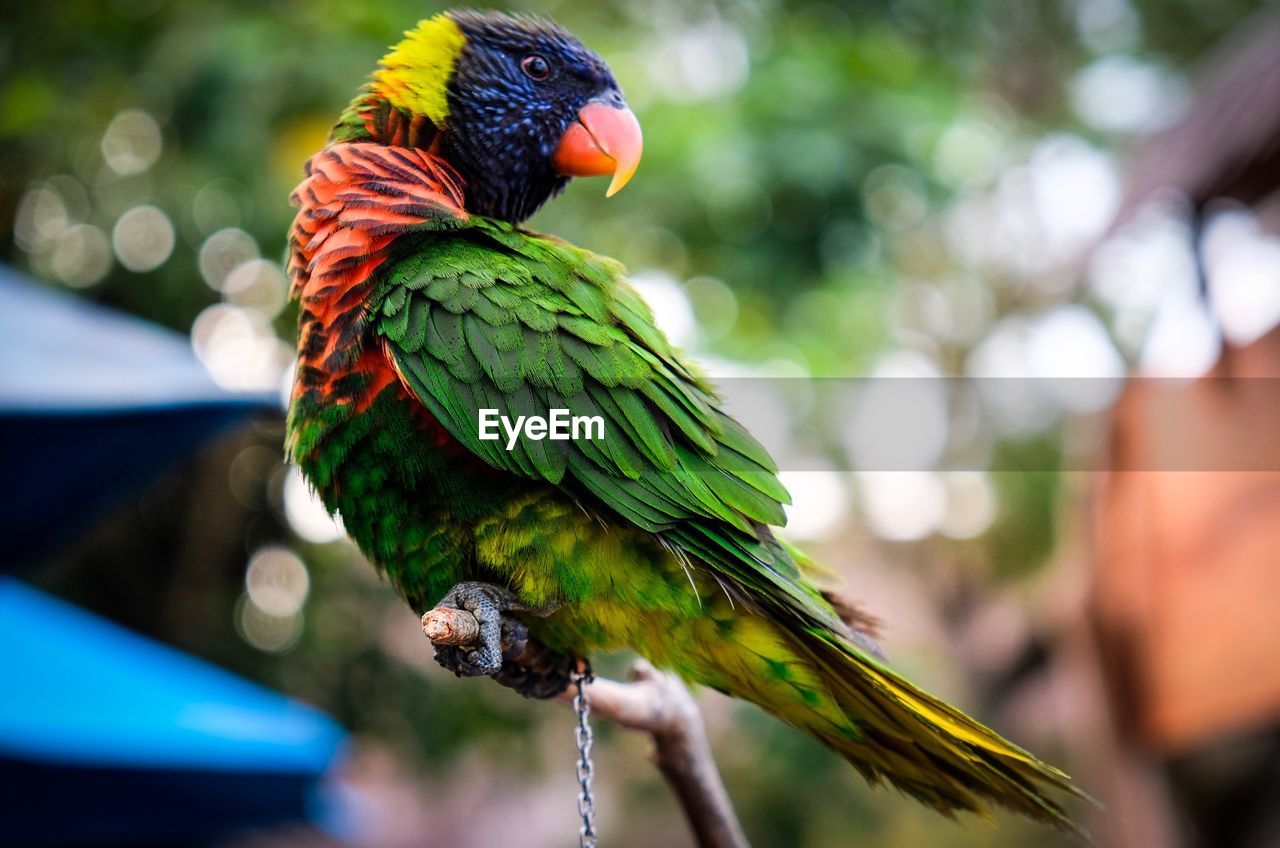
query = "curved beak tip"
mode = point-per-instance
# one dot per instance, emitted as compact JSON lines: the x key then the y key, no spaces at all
{"x":621,"y":177}
{"x":606,"y":139}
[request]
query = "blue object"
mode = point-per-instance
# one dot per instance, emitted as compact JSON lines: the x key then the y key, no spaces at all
{"x":109,"y":738}
{"x":93,"y":404}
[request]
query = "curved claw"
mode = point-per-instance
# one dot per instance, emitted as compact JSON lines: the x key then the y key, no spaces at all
{"x":466,"y":662}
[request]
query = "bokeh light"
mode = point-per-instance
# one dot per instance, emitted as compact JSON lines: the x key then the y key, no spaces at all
{"x":1071,"y":355}
{"x":143,"y":238}
{"x":670,"y":305}
{"x":266,"y":632}
{"x":898,"y":418}
{"x":40,"y":219}
{"x":1242,"y":264}
{"x":222,"y":253}
{"x":702,"y":62}
{"x":240,"y":348}
{"x":258,"y":284}
{"x":902,"y":506}
{"x":971,"y":504}
{"x":1123,"y":94}
{"x":819,"y":504}
{"x":132,"y":142}
{"x":276,"y":581}
{"x":306,"y":514}
{"x":80,"y":256}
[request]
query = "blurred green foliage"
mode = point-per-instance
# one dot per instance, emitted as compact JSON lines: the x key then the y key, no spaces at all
{"x":804,"y":165}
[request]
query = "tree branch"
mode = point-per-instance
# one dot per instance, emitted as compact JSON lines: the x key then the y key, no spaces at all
{"x":653,"y":702}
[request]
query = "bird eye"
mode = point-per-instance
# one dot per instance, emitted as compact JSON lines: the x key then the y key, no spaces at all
{"x":535,"y":67}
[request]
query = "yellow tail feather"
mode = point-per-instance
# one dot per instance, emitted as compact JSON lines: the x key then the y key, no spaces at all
{"x":888,"y":728}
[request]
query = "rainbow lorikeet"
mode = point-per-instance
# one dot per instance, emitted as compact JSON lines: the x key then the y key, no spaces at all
{"x":423,"y":303}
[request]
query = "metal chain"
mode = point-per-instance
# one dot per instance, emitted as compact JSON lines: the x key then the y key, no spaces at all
{"x":586,"y":804}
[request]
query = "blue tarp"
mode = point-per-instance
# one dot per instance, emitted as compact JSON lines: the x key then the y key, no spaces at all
{"x":108,"y":737}
{"x":93,"y":404}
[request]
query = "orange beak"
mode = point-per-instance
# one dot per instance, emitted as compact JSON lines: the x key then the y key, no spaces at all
{"x":605,"y":139}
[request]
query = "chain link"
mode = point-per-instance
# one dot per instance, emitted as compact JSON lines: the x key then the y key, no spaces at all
{"x":582,"y":734}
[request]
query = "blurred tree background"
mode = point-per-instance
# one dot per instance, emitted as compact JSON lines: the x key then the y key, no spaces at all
{"x":829,"y":189}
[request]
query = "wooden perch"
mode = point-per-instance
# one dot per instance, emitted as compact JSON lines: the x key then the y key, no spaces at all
{"x":653,"y":702}
{"x":448,"y":626}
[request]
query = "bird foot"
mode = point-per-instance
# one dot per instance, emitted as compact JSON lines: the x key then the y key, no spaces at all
{"x":500,"y":646}
{"x":483,"y":655}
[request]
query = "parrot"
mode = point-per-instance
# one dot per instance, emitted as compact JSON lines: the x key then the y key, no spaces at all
{"x":423,"y":304}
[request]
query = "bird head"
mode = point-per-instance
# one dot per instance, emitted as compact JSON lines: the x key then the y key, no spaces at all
{"x":514,"y":103}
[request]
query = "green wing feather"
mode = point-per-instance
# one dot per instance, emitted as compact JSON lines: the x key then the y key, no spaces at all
{"x":491,"y":317}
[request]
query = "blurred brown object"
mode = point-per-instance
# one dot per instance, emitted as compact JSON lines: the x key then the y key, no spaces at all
{"x":1187,"y":596}
{"x":1185,"y":606}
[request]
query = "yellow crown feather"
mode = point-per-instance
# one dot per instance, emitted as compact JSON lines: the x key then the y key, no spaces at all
{"x":415,"y":75}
